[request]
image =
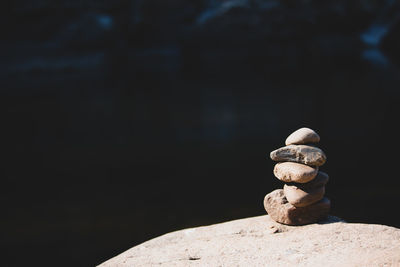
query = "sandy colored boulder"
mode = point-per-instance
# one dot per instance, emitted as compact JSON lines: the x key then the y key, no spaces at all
{"x":259,"y":241}
{"x":308,"y":155}
{"x":302,"y":136}
{"x":294,"y":172}
{"x":301,"y":198}
{"x":280,"y":210}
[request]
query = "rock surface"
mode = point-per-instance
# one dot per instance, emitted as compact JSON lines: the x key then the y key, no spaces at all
{"x":309,"y":155}
{"x":302,"y":136}
{"x":301,"y":198}
{"x":259,"y":240}
{"x":278,"y":207}
{"x":294,"y":172}
{"x":321,"y":179}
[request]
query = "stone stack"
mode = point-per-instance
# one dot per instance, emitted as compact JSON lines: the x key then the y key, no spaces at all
{"x":301,"y":201}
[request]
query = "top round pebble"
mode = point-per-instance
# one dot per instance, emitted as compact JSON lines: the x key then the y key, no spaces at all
{"x":302,"y":136}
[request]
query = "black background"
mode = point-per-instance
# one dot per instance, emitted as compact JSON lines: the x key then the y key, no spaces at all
{"x":125,"y":120}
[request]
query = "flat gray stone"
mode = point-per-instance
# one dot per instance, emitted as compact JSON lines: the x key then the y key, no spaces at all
{"x":294,"y":172}
{"x":280,"y":210}
{"x":260,"y":241}
{"x":308,"y":155}
{"x":302,"y":136}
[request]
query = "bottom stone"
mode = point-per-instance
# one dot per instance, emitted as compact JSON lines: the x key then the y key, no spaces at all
{"x":280,"y":210}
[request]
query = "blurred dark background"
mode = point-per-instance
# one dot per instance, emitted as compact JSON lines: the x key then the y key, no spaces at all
{"x":124,"y":120}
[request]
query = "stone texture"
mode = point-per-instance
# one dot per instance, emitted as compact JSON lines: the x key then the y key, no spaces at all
{"x":309,"y":155}
{"x":301,"y":198}
{"x":294,"y":172}
{"x":259,"y":241}
{"x":321,"y":179}
{"x":302,"y":136}
{"x":280,"y":210}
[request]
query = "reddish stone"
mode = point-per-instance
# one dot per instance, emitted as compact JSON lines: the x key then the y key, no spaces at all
{"x":280,"y":210}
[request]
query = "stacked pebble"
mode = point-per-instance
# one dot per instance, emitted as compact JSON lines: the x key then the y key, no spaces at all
{"x":301,"y":201}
